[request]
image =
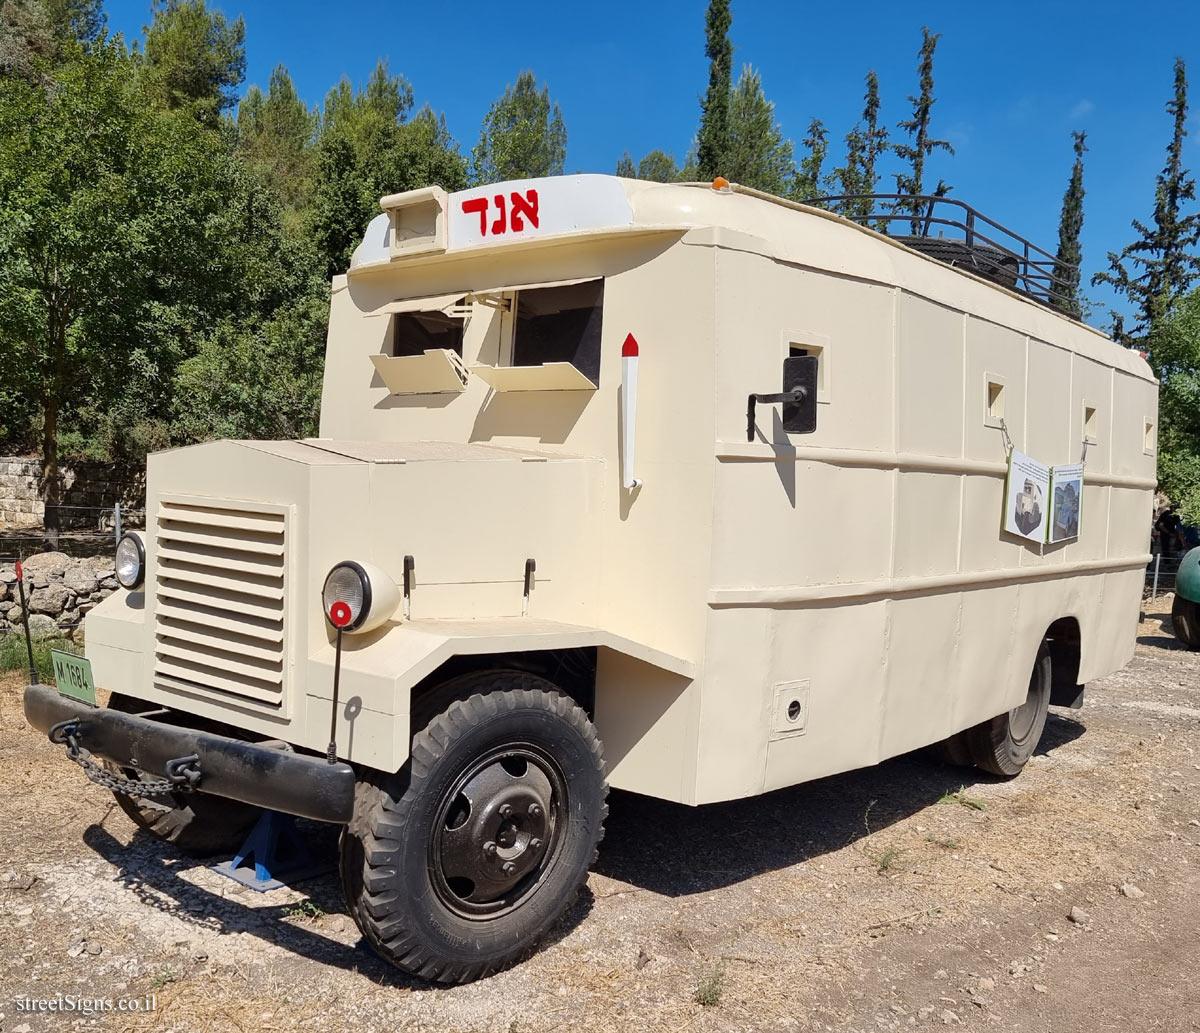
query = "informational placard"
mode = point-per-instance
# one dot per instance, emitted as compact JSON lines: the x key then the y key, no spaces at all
{"x":1026,"y":497}
{"x":1066,"y":495}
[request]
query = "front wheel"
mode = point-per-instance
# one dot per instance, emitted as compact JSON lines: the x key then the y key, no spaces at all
{"x":461,"y":864}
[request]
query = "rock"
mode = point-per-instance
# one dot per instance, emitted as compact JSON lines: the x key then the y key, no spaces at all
{"x":54,"y":564}
{"x":93,"y":948}
{"x":3,"y":591}
{"x":1128,"y":889}
{"x":8,"y":576}
{"x":987,"y":983}
{"x":51,"y":600}
{"x":15,"y":614}
{"x":950,"y":1018}
{"x":1040,"y":987}
{"x":76,"y":949}
{"x":6,"y":607}
{"x":1078,"y":916}
{"x":41,"y":627}
{"x":106,"y":574}
{"x":925,"y":1012}
{"x":643,"y":959}
{"x":111,"y":583}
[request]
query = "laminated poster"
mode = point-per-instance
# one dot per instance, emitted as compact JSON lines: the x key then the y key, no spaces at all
{"x":1026,"y":497}
{"x":1066,"y":495}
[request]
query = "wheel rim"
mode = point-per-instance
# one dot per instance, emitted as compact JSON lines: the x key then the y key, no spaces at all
{"x":497,"y":831}
{"x":1021,"y":720}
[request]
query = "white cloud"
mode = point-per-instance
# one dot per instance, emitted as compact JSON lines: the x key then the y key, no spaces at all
{"x":1083,"y":108}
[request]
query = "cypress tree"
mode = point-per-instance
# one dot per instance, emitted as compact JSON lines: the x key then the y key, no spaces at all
{"x":864,"y":145}
{"x":1162,"y":252}
{"x":712,"y":150}
{"x":625,"y":168}
{"x":1070,"y":255}
{"x":917,"y":127}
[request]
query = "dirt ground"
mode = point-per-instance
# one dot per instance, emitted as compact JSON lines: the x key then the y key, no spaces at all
{"x":911,"y":895}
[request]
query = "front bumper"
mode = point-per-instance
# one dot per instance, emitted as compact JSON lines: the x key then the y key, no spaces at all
{"x":276,"y":779}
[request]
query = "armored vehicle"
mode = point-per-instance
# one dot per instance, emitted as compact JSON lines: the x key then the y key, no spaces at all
{"x":681,"y":489}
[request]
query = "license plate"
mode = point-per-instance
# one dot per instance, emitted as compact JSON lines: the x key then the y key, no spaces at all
{"x":74,"y":676}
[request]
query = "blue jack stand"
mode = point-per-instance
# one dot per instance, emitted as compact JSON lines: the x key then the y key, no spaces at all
{"x":275,"y":852}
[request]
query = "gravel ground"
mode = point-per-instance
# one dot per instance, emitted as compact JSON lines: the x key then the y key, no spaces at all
{"x":910,"y":895}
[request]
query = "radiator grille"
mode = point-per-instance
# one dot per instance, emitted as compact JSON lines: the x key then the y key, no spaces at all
{"x":221,"y":592}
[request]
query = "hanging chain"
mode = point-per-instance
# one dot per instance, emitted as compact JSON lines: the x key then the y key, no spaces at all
{"x":183,"y":774}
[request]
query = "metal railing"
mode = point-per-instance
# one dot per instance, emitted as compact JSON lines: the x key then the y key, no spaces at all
{"x":993,"y":250}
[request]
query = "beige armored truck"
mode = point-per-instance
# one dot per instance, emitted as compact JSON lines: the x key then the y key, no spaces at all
{"x":682,"y":489}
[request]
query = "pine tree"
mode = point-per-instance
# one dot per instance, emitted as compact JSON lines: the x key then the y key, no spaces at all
{"x":1069,"y":256}
{"x":713,"y":146}
{"x":523,"y":135}
{"x":806,"y":180}
{"x":275,"y":137}
{"x":758,"y":155}
{"x":625,"y":167}
{"x":923,"y":144}
{"x":194,"y":59}
{"x":1163,"y":252}
{"x":865,"y":143}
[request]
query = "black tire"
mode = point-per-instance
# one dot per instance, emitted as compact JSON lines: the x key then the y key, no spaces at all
{"x":197,"y":823}
{"x":423,"y":861}
{"x":1004,"y":744}
{"x":1185,"y":619}
{"x":953,"y":750}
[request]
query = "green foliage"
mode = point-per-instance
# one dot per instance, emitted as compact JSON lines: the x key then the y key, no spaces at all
{"x":960,"y":797}
{"x":657,"y":167}
{"x":1174,"y":349}
{"x":714,"y":141}
{"x":1159,"y":268}
{"x":368,"y":147}
{"x":275,"y":137}
{"x":523,"y":135}
{"x":923,"y":143}
{"x":758,"y":154}
{"x":194,"y":59}
{"x":1069,"y":256}
{"x":32,"y":32}
{"x":14,"y":654}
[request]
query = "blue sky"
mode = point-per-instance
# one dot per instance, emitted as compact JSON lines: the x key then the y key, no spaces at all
{"x":1012,"y":81}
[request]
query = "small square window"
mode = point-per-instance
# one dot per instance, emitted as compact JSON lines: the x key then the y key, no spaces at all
{"x":1091,"y":433}
{"x":1148,"y":439}
{"x":993,"y":400}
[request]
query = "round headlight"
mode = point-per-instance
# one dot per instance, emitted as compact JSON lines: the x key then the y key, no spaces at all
{"x":130,"y":560}
{"x":358,"y":596}
{"x":346,"y":597}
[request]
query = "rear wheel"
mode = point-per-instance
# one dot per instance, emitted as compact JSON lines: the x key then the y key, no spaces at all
{"x":463,"y":862}
{"x":197,"y":823}
{"x":1185,"y":619}
{"x":1004,"y":744}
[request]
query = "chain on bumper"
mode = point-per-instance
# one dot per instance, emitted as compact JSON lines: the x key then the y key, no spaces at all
{"x":183,"y":773}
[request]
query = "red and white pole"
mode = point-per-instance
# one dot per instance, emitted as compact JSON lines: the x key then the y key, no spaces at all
{"x":629,"y":375}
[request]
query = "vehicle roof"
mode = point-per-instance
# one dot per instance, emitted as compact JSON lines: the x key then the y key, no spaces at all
{"x":741,"y":219}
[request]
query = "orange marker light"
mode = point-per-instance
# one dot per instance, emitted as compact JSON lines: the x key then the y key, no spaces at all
{"x":720,"y":183}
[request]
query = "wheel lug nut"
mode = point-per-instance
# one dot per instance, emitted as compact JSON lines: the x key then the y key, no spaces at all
{"x":535,"y":843}
{"x":509,"y":868}
{"x":535,"y":811}
{"x":505,"y":810}
{"x":489,"y":848}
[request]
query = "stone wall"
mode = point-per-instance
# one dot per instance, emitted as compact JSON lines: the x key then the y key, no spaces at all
{"x":90,"y":486}
{"x":59,"y":591}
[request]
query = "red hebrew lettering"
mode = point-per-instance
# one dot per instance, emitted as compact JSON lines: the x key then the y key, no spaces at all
{"x":480,"y":205}
{"x":501,"y":223}
{"x":528,"y":206}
